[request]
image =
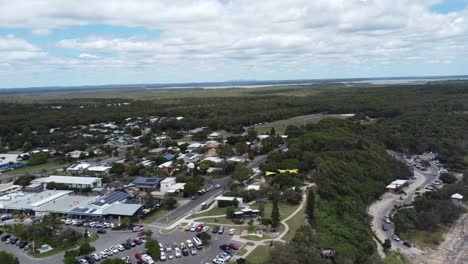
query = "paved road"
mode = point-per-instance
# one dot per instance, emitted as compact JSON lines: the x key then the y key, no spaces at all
{"x":191,"y":205}
{"x":257,"y":161}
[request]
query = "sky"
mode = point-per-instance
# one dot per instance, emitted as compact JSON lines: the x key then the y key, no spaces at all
{"x":97,"y":42}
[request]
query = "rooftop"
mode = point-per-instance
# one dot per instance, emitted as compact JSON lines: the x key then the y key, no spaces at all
{"x":122,"y":209}
{"x":147,"y":181}
{"x":68,"y":179}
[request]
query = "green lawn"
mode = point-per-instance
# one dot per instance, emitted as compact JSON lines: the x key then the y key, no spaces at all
{"x":59,"y":250}
{"x":253,"y":238}
{"x":259,"y":256}
{"x":285,"y":209}
{"x":394,"y":257}
{"x":29,"y":169}
{"x":212,"y":212}
{"x":426,"y":238}
{"x":294,"y":223}
{"x":280,"y":125}
{"x":160,"y":213}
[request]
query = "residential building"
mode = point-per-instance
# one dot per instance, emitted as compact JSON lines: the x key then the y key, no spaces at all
{"x":147,"y":183}
{"x":71,"y":181}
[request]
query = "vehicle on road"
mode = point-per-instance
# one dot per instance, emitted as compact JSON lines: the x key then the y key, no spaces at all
{"x":396,"y":238}
{"x":101,"y":231}
{"x":217,"y":186}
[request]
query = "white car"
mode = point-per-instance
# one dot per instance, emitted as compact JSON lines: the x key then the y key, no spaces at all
{"x":205,"y":229}
{"x":146,"y":258}
{"x":102,"y":254}
{"x":120,"y":247}
{"x":96,"y":257}
{"x":217,"y":186}
{"x":109,"y":252}
{"x":232,"y":231}
{"x":163,"y":256}
{"x":194,"y":226}
{"x":189,"y":243}
{"x":218,"y":261}
{"x":177,"y":252}
{"x":115,"y":250}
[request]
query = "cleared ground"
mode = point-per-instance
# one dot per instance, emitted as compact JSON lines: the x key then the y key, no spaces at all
{"x":280,"y":125}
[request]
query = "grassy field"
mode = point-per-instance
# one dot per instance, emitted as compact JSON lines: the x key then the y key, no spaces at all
{"x":212,"y":212}
{"x":259,"y":256}
{"x":280,"y":125}
{"x":160,"y":213}
{"x":426,"y":238}
{"x":394,"y":257}
{"x":285,"y":209}
{"x":294,"y":223}
{"x":29,"y":169}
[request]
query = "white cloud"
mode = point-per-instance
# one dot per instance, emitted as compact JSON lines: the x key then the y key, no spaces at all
{"x":270,"y":34}
{"x":88,"y":56}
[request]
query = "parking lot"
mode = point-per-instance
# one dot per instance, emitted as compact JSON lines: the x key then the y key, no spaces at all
{"x":204,"y":255}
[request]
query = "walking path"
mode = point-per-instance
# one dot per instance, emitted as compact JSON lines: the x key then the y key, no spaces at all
{"x":250,"y":248}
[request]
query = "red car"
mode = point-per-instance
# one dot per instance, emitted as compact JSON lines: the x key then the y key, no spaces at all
{"x":138,"y":255}
{"x":233,"y":246}
{"x":199,"y":228}
{"x":141,"y":233}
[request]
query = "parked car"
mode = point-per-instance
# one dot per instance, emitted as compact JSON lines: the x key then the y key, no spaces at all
{"x":101,"y":231}
{"x":188,"y":227}
{"x":96,"y":256}
{"x":193,"y":251}
{"x":396,"y":238}
{"x":205,"y":229}
{"x":221,"y":230}
{"x":137,"y":228}
{"x":177,"y":252}
{"x":215,"y":229}
{"x":126,"y":246}
{"x":137,"y":241}
{"x":199,"y":228}
{"x":146,"y":258}
{"x":406,"y":243}
{"x":162,"y":257}
{"x":102,"y":254}
{"x":232,"y":231}
{"x":224,"y":247}
{"x":233,"y":246}
{"x":217,"y":186}
{"x":127,"y":260}
{"x":26,"y":248}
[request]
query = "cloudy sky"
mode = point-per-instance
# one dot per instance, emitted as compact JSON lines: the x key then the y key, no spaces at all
{"x":92,"y":42}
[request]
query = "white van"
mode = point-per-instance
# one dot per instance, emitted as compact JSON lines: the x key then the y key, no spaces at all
{"x":198,"y":243}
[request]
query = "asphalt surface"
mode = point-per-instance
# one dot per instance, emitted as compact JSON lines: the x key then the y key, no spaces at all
{"x":191,"y":205}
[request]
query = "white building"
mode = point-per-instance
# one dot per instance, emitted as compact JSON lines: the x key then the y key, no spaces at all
{"x":71,"y":181}
{"x":396,"y":184}
{"x":215,"y":135}
{"x":167,"y":183}
{"x":457,"y":199}
{"x":99,"y":169}
{"x":9,"y":188}
{"x":79,"y":167}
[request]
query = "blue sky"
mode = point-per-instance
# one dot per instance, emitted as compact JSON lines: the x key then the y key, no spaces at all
{"x":60,"y":43}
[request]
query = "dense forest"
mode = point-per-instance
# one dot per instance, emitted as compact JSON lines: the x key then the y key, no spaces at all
{"x":351,"y":169}
{"x":409,"y":118}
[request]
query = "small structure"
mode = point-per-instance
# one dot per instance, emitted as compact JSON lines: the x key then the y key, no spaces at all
{"x":224,"y":201}
{"x":327,"y":252}
{"x":167,"y":167}
{"x":99,"y":169}
{"x":9,"y":188}
{"x":457,"y":199}
{"x":215,"y":135}
{"x":396,"y":185}
{"x":78,"y":167}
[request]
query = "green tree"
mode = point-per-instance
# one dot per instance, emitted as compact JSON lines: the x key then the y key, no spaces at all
{"x":272,"y":132}
{"x":241,"y":172}
{"x":310,"y":205}
{"x":171,"y":203}
{"x":205,"y":237}
{"x":387,"y":245}
{"x":85,"y":248}
{"x":69,"y":257}
{"x":153,"y":248}
{"x":148,"y":234}
{"x":241,"y":148}
{"x":118,"y":169}
{"x":150,"y":201}
{"x":190,"y":189}
{"x":8,"y":258}
{"x":230,"y":212}
{"x":275,"y":215}
{"x":38,"y":158}
{"x":27,"y":146}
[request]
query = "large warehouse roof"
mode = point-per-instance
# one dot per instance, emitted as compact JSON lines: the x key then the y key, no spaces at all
{"x":68,"y":179}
